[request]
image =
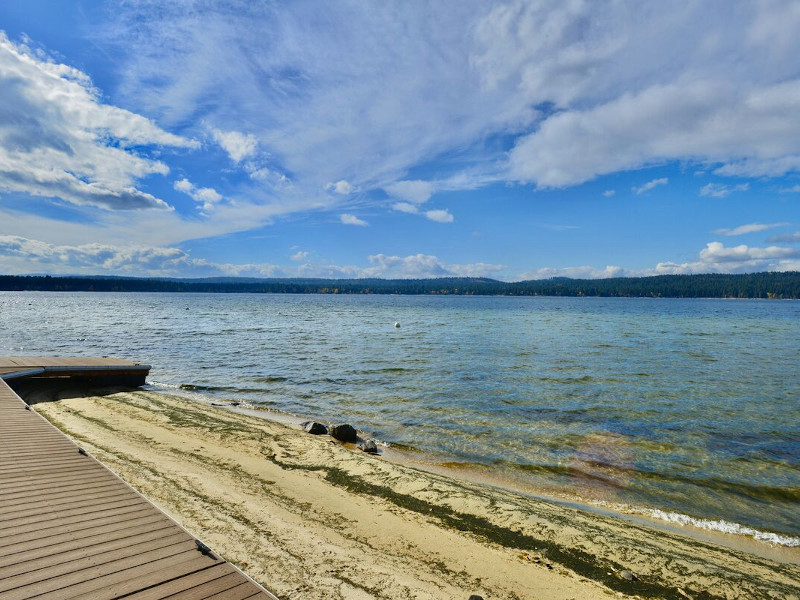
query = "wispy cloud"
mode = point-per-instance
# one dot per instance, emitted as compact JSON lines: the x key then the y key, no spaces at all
{"x":719,"y":190}
{"x":750,"y":228}
{"x":650,"y":185}
{"x":609,"y":193}
{"x":344,"y":106}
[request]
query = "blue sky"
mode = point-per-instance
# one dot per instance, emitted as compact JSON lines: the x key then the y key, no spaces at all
{"x":513,"y":140}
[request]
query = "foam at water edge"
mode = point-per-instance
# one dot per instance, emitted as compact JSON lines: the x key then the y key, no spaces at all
{"x":723,"y":526}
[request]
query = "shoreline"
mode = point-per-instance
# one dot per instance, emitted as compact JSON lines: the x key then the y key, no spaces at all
{"x":311,"y":518}
{"x":482,"y":474}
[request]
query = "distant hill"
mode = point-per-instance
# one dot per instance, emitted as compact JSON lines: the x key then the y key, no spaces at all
{"x":750,"y":285}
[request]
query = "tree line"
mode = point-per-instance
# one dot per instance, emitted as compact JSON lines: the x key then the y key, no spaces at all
{"x":750,"y":285}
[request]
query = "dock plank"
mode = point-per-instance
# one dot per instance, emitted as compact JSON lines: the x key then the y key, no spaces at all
{"x":61,"y":551}
{"x":193,"y":587}
{"x":76,"y":536}
{"x":94,"y":557}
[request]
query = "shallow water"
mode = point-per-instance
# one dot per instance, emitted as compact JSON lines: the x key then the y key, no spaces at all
{"x":674,"y":407}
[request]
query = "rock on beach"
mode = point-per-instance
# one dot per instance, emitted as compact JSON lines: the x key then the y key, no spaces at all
{"x":368,"y":446}
{"x":314,"y":428}
{"x":343,"y":432}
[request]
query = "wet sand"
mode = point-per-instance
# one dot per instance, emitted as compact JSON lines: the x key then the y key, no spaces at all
{"x":309,"y":517}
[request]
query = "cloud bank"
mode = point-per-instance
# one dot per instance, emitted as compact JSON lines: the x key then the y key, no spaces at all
{"x":17,"y":253}
{"x":153,"y":261}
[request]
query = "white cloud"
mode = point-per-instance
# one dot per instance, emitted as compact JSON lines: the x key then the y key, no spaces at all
{"x":750,"y":228}
{"x":440,"y":216}
{"x":340,"y":187}
{"x":406,"y":207}
{"x":299,"y":256}
{"x":184,"y":185}
{"x":238,"y":145}
{"x":208,"y":198}
{"x":609,"y":193}
{"x":795,"y":189}
{"x":719,"y":190}
{"x":347,"y":219}
{"x":715,"y":252}
{"x":57,"y":140}
{"x":415,"y":191}
{"x":650,"y":185}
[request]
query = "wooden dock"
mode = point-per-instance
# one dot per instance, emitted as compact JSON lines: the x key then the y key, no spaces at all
{"x":111,"y":370}
{"x":71,"y":529}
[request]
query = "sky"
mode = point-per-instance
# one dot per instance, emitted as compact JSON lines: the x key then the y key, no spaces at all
{"x":512,"y":140}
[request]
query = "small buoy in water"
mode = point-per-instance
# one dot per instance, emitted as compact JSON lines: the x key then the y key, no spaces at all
{"x":396,"y":325}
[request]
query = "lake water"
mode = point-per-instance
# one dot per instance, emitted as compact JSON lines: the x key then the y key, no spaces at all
{"x":687,"y":410}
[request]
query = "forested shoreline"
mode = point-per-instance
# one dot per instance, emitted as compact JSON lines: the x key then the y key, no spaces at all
{"x":750,"y":285}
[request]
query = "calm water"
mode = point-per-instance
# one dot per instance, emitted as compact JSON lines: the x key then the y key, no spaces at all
{"x":689,"y":407}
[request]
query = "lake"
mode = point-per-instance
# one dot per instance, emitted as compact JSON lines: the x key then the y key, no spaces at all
{"x":686,"y":410}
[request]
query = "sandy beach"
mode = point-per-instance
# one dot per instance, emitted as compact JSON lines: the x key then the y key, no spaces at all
{"x":309,"y":517}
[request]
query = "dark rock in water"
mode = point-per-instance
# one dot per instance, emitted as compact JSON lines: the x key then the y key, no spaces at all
{"x":314,"y":428}
{"x":343,"y":432}
{"x":235,"y":403}
{"x":368,"y":446}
